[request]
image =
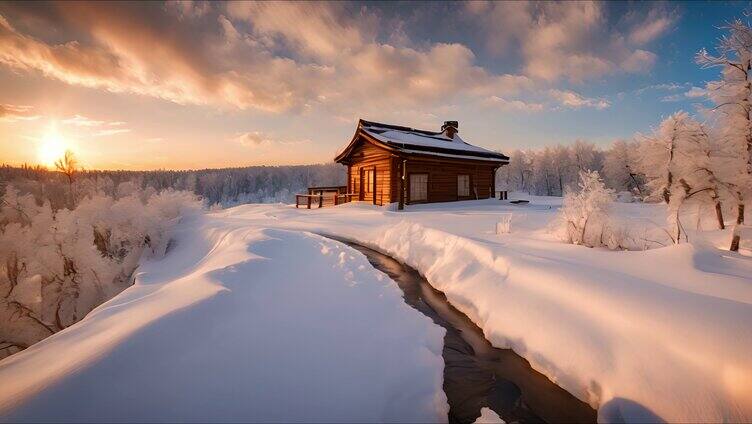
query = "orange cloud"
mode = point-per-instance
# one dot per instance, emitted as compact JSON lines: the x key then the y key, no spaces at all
{"x":205,"y":55}
{"x":16,"y":113}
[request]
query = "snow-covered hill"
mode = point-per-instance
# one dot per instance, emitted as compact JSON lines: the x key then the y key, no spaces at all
{"x":218,"y":328}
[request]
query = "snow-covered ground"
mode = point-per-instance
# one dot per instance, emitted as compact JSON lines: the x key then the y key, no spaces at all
{"x":663,"y":333}
{"x":239,"y":322}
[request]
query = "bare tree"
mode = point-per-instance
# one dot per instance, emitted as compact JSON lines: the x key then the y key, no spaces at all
{"x":68,"y":166}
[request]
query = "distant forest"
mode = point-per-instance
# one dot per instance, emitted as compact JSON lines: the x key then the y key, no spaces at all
{"x":224,"y":187}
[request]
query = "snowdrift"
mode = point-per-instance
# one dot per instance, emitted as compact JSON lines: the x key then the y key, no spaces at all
{"x":643,"y":336}
{"x":239,"y":323}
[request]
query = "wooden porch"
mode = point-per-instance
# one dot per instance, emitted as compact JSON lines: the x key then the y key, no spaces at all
{"x":318,"y":197}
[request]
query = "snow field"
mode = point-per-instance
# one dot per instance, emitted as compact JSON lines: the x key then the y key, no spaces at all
{"x":658,"y":333}
{"x":239,"y":323}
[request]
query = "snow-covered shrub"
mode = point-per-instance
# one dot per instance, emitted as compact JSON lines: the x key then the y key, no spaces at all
{"x":58,"y":265}
{"x":504,"y":225}
{"x":625,"y":197}
{"x":584,"y":214}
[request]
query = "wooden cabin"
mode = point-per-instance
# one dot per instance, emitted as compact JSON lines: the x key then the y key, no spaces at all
{"x":395,"y":164}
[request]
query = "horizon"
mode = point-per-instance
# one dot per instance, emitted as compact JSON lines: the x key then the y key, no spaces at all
{"x":258,"y":91}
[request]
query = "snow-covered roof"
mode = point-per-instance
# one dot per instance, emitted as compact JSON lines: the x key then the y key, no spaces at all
{"x":414,"y":141}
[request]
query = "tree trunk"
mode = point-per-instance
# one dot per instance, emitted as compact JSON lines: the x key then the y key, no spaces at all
{"x":719,"y":215}
{"x":666,"y":192}
{"x":637,"y":185}
{"x":736,"y":237}
{"x":20,"y":327}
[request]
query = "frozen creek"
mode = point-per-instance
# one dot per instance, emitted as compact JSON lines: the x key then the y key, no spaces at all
{"x":477,"y":374}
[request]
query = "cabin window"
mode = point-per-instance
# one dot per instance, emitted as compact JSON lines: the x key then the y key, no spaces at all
{"x":418,"y":187}
{"x":368,"y":180}
{"x":463,"y":185}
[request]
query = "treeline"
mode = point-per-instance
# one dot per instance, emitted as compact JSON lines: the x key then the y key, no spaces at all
{"x":552,"y":170}
{"x":226,"y":187}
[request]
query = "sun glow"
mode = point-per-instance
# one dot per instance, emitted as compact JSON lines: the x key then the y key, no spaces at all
{"x":52,"y":148}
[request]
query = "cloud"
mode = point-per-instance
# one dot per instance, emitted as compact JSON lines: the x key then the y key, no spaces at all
{"x":82,"y":121}
{"x":692,"y":93}
{"x":297,"y":57}
{"x":655,"y":24}
{"x":182,"y":63}
{"x":573,"y":100}
{"x":188,"y":9}
{"x":639,"y":61}
{"x":13,"y":113}
{"x":672,"y":98}
{"x":252,"y":139}
{"x":255,"y":139}
{"x":570,"y":40}
{"x":275,"y":57}
{"x":669,"y":86}
{"x":695,"y":92}
{"x":364,"y":73}
{"x":310,"y":28}
{"x":110,"y":131}
{"x":96,"y":128}
{"x":513,"y":105}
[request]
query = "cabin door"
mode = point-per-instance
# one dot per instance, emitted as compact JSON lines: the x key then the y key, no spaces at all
{"x":367,"y":184}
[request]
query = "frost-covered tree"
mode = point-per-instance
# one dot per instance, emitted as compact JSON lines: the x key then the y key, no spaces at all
{"x":543,"y":172}
{"x":227,"y":187}
{"x":732,"y":95}
{"x":585,"y":156}
{"x":679,"y":163}
{"x":658,"y":155}
{"x":58,"y":265}
{"x":517,"y":173}
{"x":584,"y":213}
{"x":699,"y":169}
{"x":549,"y":171}
{"x":562,"y":166}
{"x":620,"y":168}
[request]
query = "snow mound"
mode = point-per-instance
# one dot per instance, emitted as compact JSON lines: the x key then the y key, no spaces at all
{"x":239,"y":323}
{"x":488,"y":416}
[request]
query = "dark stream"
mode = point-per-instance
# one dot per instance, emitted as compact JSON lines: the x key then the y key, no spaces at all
{"x":477,"y":374}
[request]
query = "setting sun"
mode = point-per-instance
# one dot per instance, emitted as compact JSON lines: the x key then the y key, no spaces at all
{"x":52,"y":148}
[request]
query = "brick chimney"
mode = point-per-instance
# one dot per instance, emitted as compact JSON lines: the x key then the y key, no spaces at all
{"x":450,"y":128}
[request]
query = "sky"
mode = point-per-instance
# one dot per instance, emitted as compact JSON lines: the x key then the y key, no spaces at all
{"x":188,"y":85}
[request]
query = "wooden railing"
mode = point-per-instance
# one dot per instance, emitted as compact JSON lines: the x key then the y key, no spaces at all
{"x":323,"y":196}
{"x":327,"y":189}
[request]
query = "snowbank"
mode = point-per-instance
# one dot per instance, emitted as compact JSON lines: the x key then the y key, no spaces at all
{"x":239,"y":322}
{"x":640,"y":335}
